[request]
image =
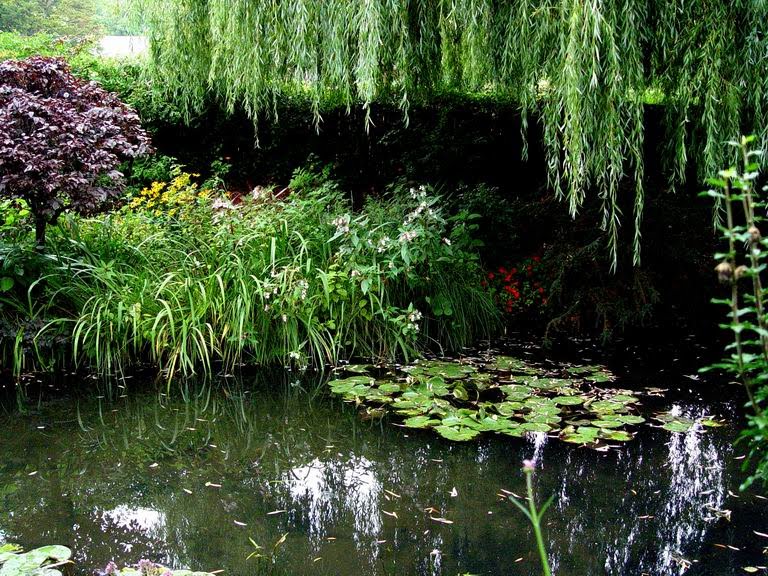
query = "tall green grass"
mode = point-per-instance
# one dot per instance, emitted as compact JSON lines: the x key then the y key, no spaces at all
{"x":298,"y":281}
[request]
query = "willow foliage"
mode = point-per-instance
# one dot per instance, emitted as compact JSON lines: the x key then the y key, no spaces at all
{"x":584,"y":68}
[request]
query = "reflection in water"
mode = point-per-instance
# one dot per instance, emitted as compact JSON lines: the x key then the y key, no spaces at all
{"x":352,"y":497}
{"x":697,"y":483}
{"x":143,"y":519}
{"x":325,"y":490}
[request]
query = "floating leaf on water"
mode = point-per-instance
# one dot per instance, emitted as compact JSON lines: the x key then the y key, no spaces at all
{"x":357,"y":368}
{"x":599,"y":376}
{"x":568,"y":400}
{"x":630,"y":419}
{"x":516,"y":392}
{"x":607,"y":423}
{"x":389,"y":388}
{"x":606,"y":406}
{"x":624,"y":399}
{"x":460,"y":393}
{"x":617,"y":435}
{"x":678,"y":426}
{"x":352,"y":385}
{"x":448,"y":370}
{"x":711,"y":423}
{"x":509,"y":408}
{"x":511,"y":364}
{"x":420,"y":422}
{"x":14,"y":562}
{"x":455,"y":433}
{"x":535,"y":427}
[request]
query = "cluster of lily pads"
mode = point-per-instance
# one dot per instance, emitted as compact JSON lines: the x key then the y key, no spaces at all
{"x":42,"y":561}
{"x":46,"y":560}
{"x":503,"y":395}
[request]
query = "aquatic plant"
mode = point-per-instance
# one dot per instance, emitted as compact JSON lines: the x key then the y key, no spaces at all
{"x":501,"y":395}
{"x":741,"y":267}
{"x":534,"y":514}
{"x":38,"y":562}
{"x":147,"y":568}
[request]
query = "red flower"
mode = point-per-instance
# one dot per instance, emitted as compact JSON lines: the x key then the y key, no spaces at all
{"x":491,"y":275}
{"x":536,"y":258}
{"x":541,"y":290}
{"x":502,"y":270}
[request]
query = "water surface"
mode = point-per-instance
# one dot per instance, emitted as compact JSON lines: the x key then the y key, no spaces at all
{"x":187,"y":482}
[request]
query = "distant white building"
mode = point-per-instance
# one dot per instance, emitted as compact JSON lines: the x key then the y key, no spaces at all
{"x":123,"y":46}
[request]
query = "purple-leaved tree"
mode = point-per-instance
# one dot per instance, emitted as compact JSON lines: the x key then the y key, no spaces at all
{"x":61,"y":140}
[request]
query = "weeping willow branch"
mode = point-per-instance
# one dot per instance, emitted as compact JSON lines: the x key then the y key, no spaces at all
{"x":585,"y":68}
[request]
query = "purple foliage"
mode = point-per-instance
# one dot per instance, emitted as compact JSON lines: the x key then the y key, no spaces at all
{"x":62,"y":139}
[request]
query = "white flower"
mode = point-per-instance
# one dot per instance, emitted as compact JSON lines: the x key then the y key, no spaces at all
{"x":407,"y":236}
{"x":285,"y":318}
{"x":294,"y":355}
{"x":342,"y":224}
{"x":354,"y":273}
{"x":447,"y":241}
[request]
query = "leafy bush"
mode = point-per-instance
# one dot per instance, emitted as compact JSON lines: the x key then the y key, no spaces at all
{"x":517,"y":288}
{"x":742,"y":268}
{"x":187,"y":279}
{"x":61,"y":139}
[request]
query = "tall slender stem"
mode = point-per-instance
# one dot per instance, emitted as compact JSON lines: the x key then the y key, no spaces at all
{"x":536,"y":522}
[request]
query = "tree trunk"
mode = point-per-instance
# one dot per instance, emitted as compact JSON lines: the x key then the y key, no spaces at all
{"x":40,"y":224}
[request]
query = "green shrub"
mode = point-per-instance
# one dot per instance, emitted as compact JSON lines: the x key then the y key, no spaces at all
{"x":193,"y":278}
{"x":742,"y":269}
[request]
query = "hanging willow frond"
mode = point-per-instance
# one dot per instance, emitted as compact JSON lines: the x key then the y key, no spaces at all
{"x":585,"y":68}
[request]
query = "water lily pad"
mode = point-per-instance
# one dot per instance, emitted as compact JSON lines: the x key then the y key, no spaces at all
{"x":516,"y":392}
{"x":678,"y":425}
{"x":630,"y":419}
{"x":608,"y":423}
{"x":347,"y":385}
{"x":535,"y":427}
{"x":448,"y":370}
{"x":511,"y":364}
{"x":599,"y":376}
{"x":568,"y":400}
{"x":456,"y":433}
{"x":624,"y":399}
{"x":617,"y":435}
{"x":357,"y":368}
{"x":711,"y":423}
{"x":606,"y":406}
{"x":509,"y":408}
{"x":389,"y":388}
{"x":17,"y":563}
{"x":420,"y":422}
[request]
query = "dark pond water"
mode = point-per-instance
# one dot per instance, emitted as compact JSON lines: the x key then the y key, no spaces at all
{"x":189,"y":482}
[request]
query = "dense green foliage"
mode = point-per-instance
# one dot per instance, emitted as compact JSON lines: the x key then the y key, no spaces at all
{"x":59,"y":17}
{"x":586,"y":69}
{"x":742,"y":268}
{"x":183,"y":277}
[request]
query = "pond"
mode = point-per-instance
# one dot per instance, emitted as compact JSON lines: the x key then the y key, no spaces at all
{"x":195,"y":479}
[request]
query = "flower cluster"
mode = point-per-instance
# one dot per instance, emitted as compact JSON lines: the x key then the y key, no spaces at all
{"x":342,"y":224}
{"x":517,"y":288}
{"x":171,"y":197}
